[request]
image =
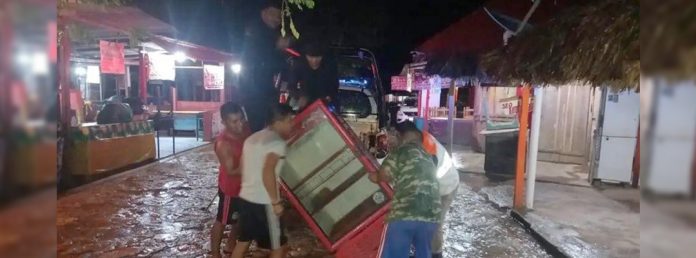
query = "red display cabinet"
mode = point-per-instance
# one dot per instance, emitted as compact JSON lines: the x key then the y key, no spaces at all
{"x":325,"y":178}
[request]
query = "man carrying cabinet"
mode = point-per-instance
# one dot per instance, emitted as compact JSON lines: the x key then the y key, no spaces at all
{"x":415,"y":208}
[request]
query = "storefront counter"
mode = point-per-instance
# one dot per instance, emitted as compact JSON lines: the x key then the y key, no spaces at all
{"x":93,"y":149}
{"x":31,"y":159}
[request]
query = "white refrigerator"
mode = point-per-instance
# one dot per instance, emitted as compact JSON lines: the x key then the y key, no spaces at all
{"x":671,"y":137}
{"x":616,"y":136}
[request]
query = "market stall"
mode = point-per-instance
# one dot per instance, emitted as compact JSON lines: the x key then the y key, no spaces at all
{"x":120,"y":88}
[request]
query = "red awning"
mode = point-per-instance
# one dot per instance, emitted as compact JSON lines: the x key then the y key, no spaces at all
{"x":119,"y":19}
{"x":478,"y":33}
{"x":110,"y":21}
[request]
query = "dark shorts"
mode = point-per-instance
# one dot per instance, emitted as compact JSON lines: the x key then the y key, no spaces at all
{"x":228,"y":207}
{"x":257,"y":222}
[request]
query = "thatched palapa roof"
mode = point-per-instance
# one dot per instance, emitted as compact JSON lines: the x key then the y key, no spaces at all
{"x":595,"y":42}
{"x":669,"y":39}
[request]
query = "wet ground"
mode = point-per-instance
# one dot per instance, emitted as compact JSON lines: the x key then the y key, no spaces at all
{"x":158,"y":211}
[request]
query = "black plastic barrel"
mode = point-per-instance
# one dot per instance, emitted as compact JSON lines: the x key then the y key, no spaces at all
{"x":501,"y":154}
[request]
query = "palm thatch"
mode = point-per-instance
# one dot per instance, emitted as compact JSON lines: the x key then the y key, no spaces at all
{"x":596,"y":42}
{"x":669,"y":39}
{"x":455,"y":66}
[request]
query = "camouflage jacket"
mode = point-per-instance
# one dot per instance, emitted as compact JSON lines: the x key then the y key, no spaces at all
{"x":416,"y":190}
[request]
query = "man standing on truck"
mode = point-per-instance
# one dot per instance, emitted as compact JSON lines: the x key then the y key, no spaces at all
{"x":317,"y":76}
{"x":261,"y":61}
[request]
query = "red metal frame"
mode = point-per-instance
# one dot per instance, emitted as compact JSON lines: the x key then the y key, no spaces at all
{"x":371,"y":167}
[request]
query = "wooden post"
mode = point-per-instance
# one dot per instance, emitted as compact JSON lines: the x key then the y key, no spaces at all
{"x":693,"y":172}
{"x":64,"y":51}
{"x":143,"y":77}
{"x":426,"y":118}
{"x":450,"y":116}
{"x":636,"y":162}
{"x":518,"y":197}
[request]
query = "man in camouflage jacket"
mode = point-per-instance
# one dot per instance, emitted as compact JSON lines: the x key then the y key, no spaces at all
{"x":415,"y":208}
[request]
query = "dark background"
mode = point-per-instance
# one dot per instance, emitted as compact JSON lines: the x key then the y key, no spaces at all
{"x":390,"y":28}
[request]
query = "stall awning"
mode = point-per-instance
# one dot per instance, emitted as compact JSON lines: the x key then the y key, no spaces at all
{"x":194,"y":51}
{"x":111,"y":23}
{"x":107,"y":21}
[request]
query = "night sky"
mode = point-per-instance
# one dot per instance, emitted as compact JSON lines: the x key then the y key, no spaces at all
{"x":391,"y":28}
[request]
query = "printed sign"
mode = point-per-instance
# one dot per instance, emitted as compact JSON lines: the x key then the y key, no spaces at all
{"x":162,"y":67}
{"x":112,"y":57}
{"x":93,"y":74}
{"x":213,"y":77}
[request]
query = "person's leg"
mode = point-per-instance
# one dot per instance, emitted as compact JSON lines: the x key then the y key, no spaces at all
{"x":423,"y":238}
{"x":240,"y":249}
{"x":247,"y":227}
{"x":397,"y":240}
{"x":216,"y":238}
{"x":231,"y":239}
{"x":438,"y":237}
{"x":276,"y":236}
{"x":218,"y":227}
{"x":233,"y":220}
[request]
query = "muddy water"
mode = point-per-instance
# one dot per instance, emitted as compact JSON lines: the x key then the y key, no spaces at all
{"x":158,"y":211}
{"x":155,"y":211}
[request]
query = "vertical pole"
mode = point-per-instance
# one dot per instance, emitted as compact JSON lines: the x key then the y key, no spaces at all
{"x":450,"y":116}
{"x":534,"y":146}
{"x":142,"y":78}
{"x":518,"y":197}
{"x":64,"y":51}
{"x":426,"y":119}
{"x":128,"y":81}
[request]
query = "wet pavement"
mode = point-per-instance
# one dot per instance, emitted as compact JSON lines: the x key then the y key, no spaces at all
{"x":476,"y":228}
{"x":158,"y":211}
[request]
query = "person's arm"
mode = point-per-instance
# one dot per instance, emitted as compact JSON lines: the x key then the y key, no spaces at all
{"x":224,"y":153}
{"x":270,"y":182}
{"x":384,"y":174}
{"x":269,"y":177}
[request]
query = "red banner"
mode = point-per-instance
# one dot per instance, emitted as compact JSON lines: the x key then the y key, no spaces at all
{"x":112,"y":57}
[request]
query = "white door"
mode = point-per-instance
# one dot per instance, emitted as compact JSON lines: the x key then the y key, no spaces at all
{"x":616,"y":159}
{"x":621,"y":114}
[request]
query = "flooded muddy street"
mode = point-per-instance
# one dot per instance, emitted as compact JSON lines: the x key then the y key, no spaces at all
{"x":159,"y":211}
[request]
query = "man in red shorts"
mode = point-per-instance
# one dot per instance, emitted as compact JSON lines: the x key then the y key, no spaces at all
{"x":228,"y":148}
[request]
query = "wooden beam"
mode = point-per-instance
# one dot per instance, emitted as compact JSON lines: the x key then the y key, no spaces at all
{"x":518,"y":202}
{"x":635,"y":177}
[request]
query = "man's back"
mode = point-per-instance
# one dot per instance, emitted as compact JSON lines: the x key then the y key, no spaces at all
{"x":256,"y":147}
{"x":416,"y":190}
